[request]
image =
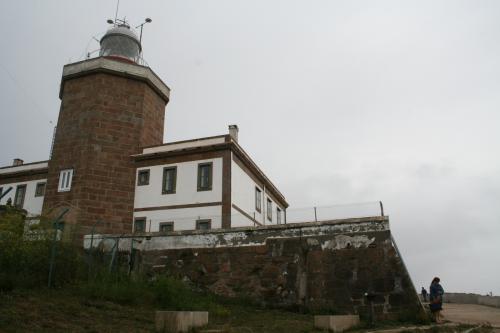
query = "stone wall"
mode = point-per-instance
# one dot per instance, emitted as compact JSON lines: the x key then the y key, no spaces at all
{"x":324,"y":266}
{"x":464,"y":298}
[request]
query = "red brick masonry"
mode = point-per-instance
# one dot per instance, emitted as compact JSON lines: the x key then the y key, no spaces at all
{"x":104,"y":118}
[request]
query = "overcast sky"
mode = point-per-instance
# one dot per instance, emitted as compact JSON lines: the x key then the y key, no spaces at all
{"x":337,"y":101}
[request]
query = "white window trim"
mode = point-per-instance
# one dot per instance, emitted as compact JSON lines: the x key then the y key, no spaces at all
{"x":65,"y":180}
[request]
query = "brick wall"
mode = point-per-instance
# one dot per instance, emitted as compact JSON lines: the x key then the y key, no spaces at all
{"x":102,"y":121}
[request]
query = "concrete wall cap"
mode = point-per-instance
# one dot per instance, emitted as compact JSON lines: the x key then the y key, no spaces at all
{"x":230,"y":237}
{"x":105,"y":65}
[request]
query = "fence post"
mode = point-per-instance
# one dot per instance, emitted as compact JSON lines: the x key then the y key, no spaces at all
{"x":54,"y":243}
{"x":131,"y":259}
{"x":315,"y":215}
{"x":91,"y":246}
{"x":115,"y":249}
{"x":381,"y":208}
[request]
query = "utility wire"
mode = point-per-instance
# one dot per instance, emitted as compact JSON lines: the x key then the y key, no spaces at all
{"x":21,"y":88}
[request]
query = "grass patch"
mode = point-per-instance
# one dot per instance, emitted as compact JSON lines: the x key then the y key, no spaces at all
{"x":164,"y":293}
{"x":69,"y":310}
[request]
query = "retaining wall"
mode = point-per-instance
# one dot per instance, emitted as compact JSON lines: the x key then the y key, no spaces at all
{"x":325,"y":266}
{"x":472,"y":299}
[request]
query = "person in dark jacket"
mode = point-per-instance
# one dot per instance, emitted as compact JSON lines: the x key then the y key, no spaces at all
{"x":436,"y":299}
{"x":424,"y":294}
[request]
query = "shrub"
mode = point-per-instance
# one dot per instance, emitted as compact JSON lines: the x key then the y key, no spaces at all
{"x":25,"y":263}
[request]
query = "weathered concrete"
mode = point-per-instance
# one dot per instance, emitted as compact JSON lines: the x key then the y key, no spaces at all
{"x":180,"y":321}
{"x":346,"y":229}
{"x":472,"y":299}
{"x":129,"y":70}
{"x":324,"y":266}
{"x":336,"y":323}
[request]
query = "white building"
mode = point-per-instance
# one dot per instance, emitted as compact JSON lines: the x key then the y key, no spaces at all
{"x":203,"y":183}
{"x":112,"y":108}
{"x":195,"y":184}
{"x":25,"y":184}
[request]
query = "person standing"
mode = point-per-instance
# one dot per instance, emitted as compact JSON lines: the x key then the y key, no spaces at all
{"x":436,"y":299}
{"x":424,"y":294}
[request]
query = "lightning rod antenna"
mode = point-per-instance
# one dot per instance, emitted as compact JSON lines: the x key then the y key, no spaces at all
{"x":116,"y":12}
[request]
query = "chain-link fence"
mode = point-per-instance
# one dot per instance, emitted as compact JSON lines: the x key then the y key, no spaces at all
{"x":334,"y":212}
{"x":48,"y":251}
{"x":207,"y":218}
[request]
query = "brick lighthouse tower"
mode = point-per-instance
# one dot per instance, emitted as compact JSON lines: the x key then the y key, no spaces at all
{"x":110,"y":107}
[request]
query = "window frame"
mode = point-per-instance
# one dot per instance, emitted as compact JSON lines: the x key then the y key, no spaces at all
{"x":143,"y":171}
{"x":210,"y":176}
{"x":18,"y":187}
{"x":258,"y":199}
{"x":162,"y":224}
{"x":142,"y":219}
{"x":163,"y":182}
{"x":278,"y":215}
{"x":65,"y":180}
{"x":37,"y":186}
{"x":269,"y":210}
{"x":198,"y":222}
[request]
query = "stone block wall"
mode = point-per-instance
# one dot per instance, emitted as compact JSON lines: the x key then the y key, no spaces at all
{"x":326,"y":267}
{"x":464,"y":298}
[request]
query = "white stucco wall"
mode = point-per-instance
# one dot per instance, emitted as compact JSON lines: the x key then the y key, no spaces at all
{"x":33,"y":205}
{"x":184,"y":219}
{"x":243,"y":196}
{"x":186,"y":186}
{"x":240,"y":220}
{"x":186,"y":193}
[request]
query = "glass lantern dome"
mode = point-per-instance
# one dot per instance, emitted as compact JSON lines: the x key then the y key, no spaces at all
{"x":121,"y":42}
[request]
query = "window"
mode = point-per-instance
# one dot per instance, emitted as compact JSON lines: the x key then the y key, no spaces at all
{"x":19,"y":198}
{"x":269,"y":209}
{"x":166,"y":226}
{"x":140,"y":224}
{"x":258,"y":199}
{"x":65,"y":178}
{"x":40,"y":190}
{"x":205,"y":176}
{"x":278,"y":215}
{"x":203,"y":224}
{"x":169,"y":180}
{"x":143,"y":177}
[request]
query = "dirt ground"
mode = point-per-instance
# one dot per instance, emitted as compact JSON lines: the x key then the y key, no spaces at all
{"x":472,"y":314}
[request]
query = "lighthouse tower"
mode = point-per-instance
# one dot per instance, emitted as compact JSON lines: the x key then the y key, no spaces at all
{"x":111,"y":106}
